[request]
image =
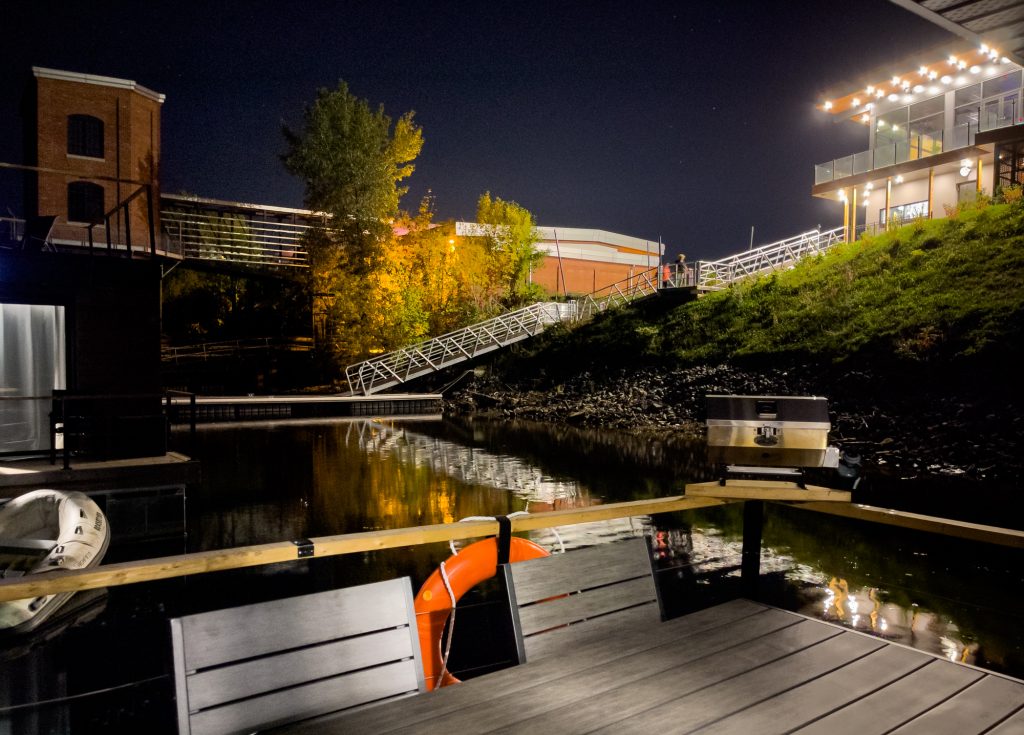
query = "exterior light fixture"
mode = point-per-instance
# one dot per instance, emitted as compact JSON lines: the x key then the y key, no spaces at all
{"x":946,"y":79}
{"x":961,"y":64}
{"x":923,"y":70}
{"x":869,"y":106}
{"x":965,"y":167}
{"x":906,"y":86}
{"x":918,"y":88}
{"x":975,"y":69}
{"x":869,"y":89}
{"x":933,"y":75}
{"x":984,"y":48}
{"x":842,"y":195}
{"x":879,"y":93}
{"x":895,"y":128}
{"x":855,"y":102}
{"x":893,"y":97}
{"x":866,"y":201}
{"x":881,"y":123}
{"x":952,"y":61}
{"x":899,"y":179}
{"x":895,"y":81}
{"x":865,"y":117}
{"x":868,"y":187}
{"x":828,"y":105}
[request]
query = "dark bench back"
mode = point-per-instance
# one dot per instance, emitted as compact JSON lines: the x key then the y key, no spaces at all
{"x":276,"y":662}
{"x":562,"y":600}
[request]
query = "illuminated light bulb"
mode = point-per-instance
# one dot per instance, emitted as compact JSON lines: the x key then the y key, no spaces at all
{"x":867,"y":202}
{"x":868,"y":186}
{"x":881,"y":123}
{"x":918,"y":88}
{"x":905,"y":85}
{"x":952,"y":60}
{"x":984,"y":48}
{"x":895,"y":81}
{"x":828,"y":105}
{"x":961,"y":64}
{"x":865,"y":117}
{"x":895,"y":128}
{"x":879,"y":93}
{"x":933,"y":75}
{"x":975,"y":69}
{"x":923,"y":70}
{"x":899,"y":179}
{"x":855,"y":102}
{"x":893,"y":97}
{"x":946,"y":79}
{"x":869,"y":89}
{"x":869,"y":106}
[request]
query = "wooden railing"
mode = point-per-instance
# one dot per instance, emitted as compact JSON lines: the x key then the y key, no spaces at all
{"x":699,"y":496}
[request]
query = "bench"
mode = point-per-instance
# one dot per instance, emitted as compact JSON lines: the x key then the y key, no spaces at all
{"x":268,"y":664}
{"x":560,"y":601}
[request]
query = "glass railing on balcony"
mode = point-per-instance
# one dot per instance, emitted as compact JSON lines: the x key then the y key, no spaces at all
{"x":920,"y":146}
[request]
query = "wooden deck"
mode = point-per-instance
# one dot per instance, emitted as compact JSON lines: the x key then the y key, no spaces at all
{"x":741,"y":667}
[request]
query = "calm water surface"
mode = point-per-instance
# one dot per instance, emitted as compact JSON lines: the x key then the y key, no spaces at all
{"x":271,"y":482}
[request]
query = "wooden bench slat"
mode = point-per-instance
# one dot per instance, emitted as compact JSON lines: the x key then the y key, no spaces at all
{"x":644,"y":618}
{"x":270,"y":673}
{"x":222,"y":636}
{"x":309,"y":700}
{"x":573,"y":608}
{"x":538,"y":579}
{"x":1012,"y":725}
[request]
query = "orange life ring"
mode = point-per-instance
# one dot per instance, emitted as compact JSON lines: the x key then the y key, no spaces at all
{"x":472,"y":565}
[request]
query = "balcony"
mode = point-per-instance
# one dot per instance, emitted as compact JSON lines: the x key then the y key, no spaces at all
{"x":915,"y":148}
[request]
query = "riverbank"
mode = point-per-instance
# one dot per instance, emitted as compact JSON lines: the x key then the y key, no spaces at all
{"x":915,"y":423}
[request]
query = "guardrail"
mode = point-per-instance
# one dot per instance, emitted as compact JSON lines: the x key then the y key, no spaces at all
{"x":717,"y":274}
{"x":133,"y":572}
{"x":235,"y":347}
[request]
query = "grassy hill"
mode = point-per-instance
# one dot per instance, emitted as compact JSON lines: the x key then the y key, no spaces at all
{"x":940,"y":290}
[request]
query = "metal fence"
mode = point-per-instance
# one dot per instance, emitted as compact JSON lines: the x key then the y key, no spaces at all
{"x":717,"y":274}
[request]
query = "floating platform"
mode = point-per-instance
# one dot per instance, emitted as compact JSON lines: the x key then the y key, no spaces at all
{"x":275,"y":408}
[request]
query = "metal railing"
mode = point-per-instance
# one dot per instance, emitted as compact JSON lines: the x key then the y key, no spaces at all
{"x":394,"y":368}
{"x":717,"y":274}
{"x":234,"y":348}
{"x":235,"y":239}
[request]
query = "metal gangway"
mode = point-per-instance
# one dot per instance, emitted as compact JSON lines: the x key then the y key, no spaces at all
{"x":713,"y":275}
{"x":404,"y":364}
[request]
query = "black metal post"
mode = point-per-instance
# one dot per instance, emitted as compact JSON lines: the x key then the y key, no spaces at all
{"x":127,"y":230}
{"x":152,"y":225}
{"x":53,"y":438}
{"x":110,"y":244}
{"x":192,"y":419}
{"x":64,"y":426}
{"x":750,"y":566}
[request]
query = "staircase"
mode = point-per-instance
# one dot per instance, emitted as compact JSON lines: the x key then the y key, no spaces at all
{"x":394,"y":368}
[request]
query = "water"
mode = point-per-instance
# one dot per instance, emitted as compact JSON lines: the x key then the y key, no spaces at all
{"x":272,"y":482}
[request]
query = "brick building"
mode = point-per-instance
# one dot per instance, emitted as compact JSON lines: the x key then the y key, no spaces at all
{"x":97,"y":141}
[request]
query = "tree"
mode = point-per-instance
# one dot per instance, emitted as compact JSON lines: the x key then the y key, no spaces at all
{"x":510,"y":235}
{"x":351,"y":160}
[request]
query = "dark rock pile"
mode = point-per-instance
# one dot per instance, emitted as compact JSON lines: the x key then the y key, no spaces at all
{"x":905,"y":424}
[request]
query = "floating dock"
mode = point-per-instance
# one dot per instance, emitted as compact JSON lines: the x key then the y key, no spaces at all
{"x":269,"y":408}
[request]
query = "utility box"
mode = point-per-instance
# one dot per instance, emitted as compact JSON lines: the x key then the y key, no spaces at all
{"x":769,"y":431}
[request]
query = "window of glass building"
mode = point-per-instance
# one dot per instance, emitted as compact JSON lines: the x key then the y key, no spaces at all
{"x":85,"y":202}
{"x":85,"y":136}
{"x":1001,"y":85}
{"x":905,"y":212}
{"x":891,"y":127}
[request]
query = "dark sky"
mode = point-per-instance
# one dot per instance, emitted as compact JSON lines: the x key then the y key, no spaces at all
{"x":681,"y":120}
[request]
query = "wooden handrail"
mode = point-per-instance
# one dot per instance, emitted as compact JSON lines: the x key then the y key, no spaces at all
{"x":110,"y":575}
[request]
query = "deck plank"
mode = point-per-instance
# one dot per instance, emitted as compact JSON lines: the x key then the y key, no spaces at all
{"x":500,"y":708}
{"x":972,"y":710}
{"x":509,"y":681}
{"x":782,"y":713}
{"x":899,"y":702}
{"x":583,"y":711}
{"x":663,"y":707}
{"x":1012,"y":725}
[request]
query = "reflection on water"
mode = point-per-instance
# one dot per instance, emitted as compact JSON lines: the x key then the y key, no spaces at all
{"x":271,"y":482}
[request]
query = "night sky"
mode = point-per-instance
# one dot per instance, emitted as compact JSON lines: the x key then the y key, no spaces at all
{"x":681,"y":120}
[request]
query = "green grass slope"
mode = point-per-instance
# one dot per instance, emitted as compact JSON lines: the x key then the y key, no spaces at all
{"x":939,"y":290}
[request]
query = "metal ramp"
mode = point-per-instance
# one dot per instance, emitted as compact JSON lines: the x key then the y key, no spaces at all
{"x":394,"y":368}
{"x":717,"y":274}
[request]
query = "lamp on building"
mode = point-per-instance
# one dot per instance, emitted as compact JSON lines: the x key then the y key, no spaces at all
{"x":966,"y":166}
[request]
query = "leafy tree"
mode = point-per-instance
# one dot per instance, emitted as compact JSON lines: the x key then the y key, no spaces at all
{"x":351,"y":159}
{"x":510,"y":235}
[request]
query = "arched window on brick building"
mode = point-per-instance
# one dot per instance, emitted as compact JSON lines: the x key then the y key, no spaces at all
{"x":85,"y":136}
{"x":85,"y":202}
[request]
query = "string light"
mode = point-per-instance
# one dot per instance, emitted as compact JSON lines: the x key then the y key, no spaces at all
{"x":828,"y":105}
{"x":855,"y":102}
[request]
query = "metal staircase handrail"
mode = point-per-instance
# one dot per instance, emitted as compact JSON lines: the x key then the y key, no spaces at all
{"x":717,"y":274}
